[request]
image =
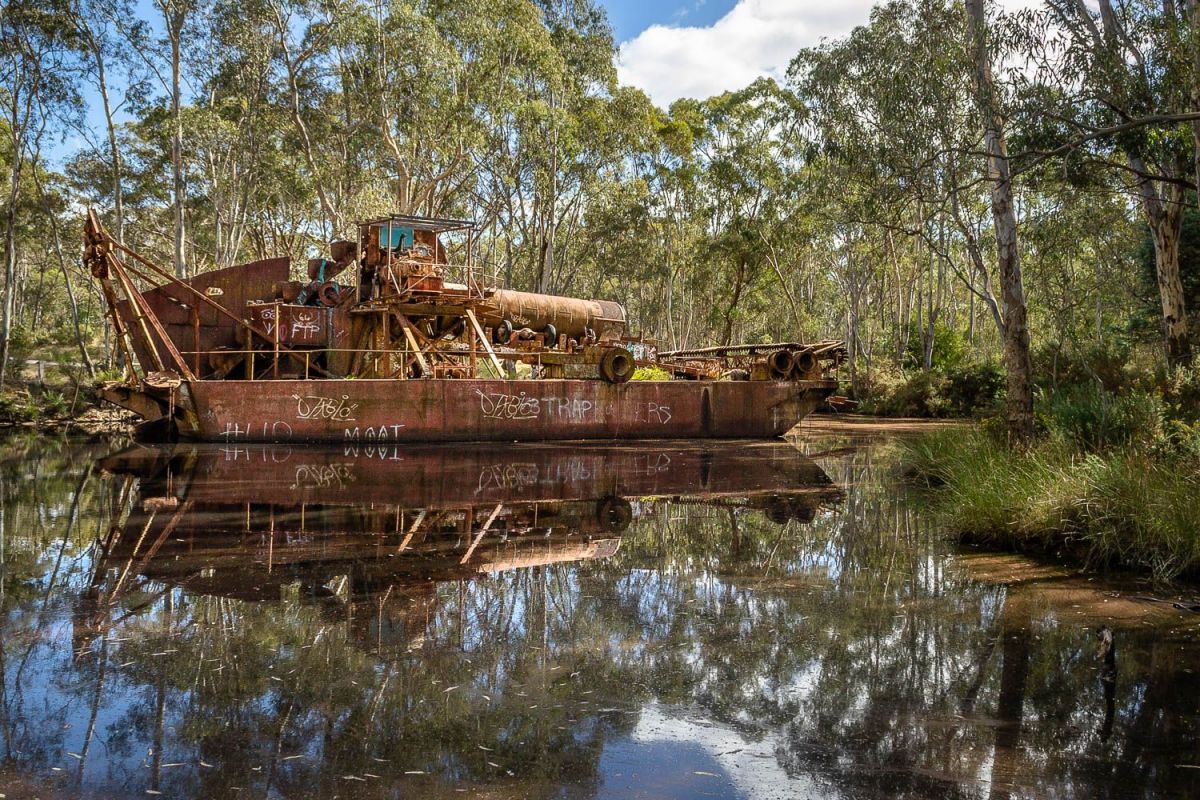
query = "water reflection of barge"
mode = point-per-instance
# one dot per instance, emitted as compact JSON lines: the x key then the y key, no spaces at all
{"x":356,"y":524}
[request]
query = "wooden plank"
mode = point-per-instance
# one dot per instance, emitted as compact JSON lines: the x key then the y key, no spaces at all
{"x":482,"y":532}
{"x":486,"y":344}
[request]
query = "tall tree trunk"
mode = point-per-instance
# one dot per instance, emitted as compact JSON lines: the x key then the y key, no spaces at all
{"x":113,"y":150}
{"x":1193,"y":43}
{"x":175,"y":32}
{"x":1008,"y":259}
{"x":10,"y":237}
{"x":1163,"y":208}
{"x":1164,"y":213}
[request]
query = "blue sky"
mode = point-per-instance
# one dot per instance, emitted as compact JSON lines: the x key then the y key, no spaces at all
{"x":631,"y":17}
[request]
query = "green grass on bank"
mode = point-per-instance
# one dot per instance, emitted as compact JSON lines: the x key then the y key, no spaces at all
{"x":1111,"y":482}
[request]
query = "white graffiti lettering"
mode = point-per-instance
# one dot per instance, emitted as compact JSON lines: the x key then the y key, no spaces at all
{"x":507,"y":476}
{"x":567,"y":409}
{"x":508,"y":406}
{"x":322,"y":476}
{"x":305,"y":330}
{"x":372,"y":433}
{"x":660,"y":414}
{"x":318,"y":407}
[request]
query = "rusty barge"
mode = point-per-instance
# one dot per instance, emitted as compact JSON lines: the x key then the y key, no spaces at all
{"x":388,"y":340}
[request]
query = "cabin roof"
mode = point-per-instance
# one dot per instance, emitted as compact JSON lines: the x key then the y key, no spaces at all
{"x":434,"y":224}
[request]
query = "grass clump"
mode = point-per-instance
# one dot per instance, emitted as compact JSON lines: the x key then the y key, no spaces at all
{"x":1135,"y":505}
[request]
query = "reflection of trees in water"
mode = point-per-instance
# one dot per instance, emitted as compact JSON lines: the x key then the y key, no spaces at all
{"x":852,"y":641}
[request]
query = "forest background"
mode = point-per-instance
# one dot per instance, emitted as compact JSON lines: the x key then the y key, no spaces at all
{"x":860,"y":198}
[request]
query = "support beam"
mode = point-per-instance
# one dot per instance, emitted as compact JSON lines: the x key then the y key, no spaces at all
{"x":486,"y":344}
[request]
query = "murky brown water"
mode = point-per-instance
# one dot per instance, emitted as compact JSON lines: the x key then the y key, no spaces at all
{"x":670,"y":620}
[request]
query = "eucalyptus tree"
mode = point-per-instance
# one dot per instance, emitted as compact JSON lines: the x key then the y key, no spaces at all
{"x":36,"y":86}
{"x":553,"y":135}
{"x":891,"y":141}
{"x":1004,"y":218}
{"x":106,"y":32}
{"x":745,"y":146}
{"x":1120,"y":83}
{"x":240,"y":165}
{"x":176,"y":16}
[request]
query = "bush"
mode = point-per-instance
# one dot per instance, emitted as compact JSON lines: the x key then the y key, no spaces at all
{"x":1181,"y":393}
{"x":964,"y":390}
{"x":17,"y":406}
{"x":650,"y":374}
{"x":1108,"y":363}
{"x":975,"y":389}
{"x":918,"y":394}
{"x":1092,"y":418}
{"x":950,"y":347}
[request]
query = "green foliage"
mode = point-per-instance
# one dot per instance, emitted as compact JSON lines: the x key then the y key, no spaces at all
{"x":950,"y":347}
{"x":1109,"y":362}
{"x":912,"y":394}
{"x":650,"y":374}
{"x":968,"y":389}
{"x":975,"y":388}
{"x":17,"y":407}
{"x":1180,"y":390}
{"x":1119,"y":507}
{"x":1091,"y":418}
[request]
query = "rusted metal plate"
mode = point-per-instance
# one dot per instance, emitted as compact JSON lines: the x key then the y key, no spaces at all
{"x":231,"y":287}
{"x":376,"y":411}
{"x":297,"y":325}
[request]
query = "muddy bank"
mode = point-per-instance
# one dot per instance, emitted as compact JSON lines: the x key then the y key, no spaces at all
{"x":865,"y":425}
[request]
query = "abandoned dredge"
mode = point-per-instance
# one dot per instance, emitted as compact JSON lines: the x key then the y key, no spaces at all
{"x":387,"y":340}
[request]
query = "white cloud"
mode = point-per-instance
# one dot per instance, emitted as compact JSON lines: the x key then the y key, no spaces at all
{"x":755,"y":38}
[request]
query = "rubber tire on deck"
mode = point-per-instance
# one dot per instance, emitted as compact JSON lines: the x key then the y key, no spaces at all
{"x":614,"y":514}
{"x":617,"y":365}
{"x":502,"y":332}
{"x":551,"y":334}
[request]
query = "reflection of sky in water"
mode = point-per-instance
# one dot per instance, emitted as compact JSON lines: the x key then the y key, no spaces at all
{"x":713,"y":650}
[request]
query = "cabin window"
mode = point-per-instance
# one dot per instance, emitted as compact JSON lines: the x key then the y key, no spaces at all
{"x":402,"y":237}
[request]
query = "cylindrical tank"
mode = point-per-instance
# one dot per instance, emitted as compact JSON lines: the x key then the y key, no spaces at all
{"x":569,"y":315}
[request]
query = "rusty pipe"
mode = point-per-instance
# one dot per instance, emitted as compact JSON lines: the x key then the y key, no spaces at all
{"x":570,"y":315}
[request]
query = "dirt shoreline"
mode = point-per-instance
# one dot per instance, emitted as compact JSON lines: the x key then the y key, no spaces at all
{"x":865,"y":425}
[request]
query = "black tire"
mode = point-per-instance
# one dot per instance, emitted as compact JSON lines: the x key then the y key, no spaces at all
{"x":617,"y":365}
{"x":502,"y":332}
{"x":551,"y":334}
{"x":614,"y":514}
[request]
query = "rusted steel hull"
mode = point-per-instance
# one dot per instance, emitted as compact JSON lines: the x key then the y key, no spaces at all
{"x":372,"y":411}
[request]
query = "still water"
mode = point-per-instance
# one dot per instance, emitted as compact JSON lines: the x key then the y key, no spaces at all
{"x":750,"y":620}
